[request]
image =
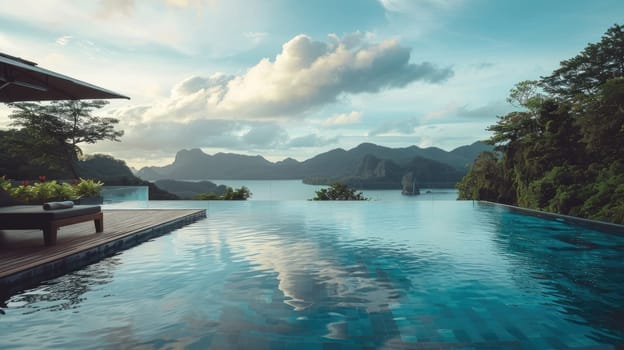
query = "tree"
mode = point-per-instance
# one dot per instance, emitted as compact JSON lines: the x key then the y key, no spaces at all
{"x":586,"y":72}
{"x":526,"y":94}
{"x":64,"y":125}
{"x":486,"y":180}
{"x":24,"y":155}
{"x":602,"y":125}
{"x":562,"y":152}
{"x":338,"y":192}
{"x":241,"y":193}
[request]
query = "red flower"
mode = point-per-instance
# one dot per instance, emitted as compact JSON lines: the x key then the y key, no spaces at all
{"x":42,"y":178}
{"x":25,"y":183}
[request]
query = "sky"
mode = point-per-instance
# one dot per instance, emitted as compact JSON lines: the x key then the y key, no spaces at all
{"x":295,"y":78}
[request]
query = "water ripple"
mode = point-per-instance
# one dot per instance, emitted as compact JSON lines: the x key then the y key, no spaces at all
{"x":273,"y":274}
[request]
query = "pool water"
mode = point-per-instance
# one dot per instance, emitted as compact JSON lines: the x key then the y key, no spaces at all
{"x":338,"y":275}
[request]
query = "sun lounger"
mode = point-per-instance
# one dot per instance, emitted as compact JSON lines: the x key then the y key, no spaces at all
{"x":21,"y":217}
{"x":35,"y":217}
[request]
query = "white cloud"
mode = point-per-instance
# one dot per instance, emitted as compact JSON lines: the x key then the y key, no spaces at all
{"x":342,"y":119}
{"x":64,"y":40}
{"x":305,"y":75}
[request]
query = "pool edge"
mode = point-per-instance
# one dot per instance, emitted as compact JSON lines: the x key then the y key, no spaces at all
{"x":602,"y":226}
{"x":29,"y":277}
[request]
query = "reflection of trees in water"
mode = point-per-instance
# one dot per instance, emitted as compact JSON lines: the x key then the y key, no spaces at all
{"x":67,"y":291}
{"x":579,"y":269}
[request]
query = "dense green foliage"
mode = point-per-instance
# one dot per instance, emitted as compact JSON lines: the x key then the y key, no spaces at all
{"x":23,"y":158}
{"x":338,"y":192}
{"x":564,"y":151}
{"x":241,"y":193}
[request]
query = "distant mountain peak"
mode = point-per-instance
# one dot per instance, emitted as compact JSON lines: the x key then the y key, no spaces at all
{"x":367,"y":159}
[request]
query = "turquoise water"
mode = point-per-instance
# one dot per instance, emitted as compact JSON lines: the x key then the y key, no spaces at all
{"x":296,"y":190}
{"x":338,"y":275}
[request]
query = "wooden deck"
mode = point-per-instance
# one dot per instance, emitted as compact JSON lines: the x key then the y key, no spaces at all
{"x":25,"y":260}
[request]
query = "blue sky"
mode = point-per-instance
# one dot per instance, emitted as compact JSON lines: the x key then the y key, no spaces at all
{"x":286,"y":78}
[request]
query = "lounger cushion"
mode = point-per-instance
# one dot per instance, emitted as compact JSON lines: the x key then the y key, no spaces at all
{"x":58,"y":205}
{"x":21,"y":213}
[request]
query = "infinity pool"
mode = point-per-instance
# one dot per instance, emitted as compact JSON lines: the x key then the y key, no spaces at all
{"x":338,"y":275}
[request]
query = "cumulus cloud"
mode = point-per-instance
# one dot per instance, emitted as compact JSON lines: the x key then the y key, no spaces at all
{"x":309,"y":73}
{"x":304,"y":75}
{"x":213,"y":86}
{"x":342,"y":119}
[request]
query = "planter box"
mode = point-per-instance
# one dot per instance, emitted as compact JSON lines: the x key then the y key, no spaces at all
{"x":89,"y":200}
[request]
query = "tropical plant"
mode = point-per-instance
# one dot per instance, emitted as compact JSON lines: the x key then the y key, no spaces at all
{"x":88,"y":188}
{"x":47,"y":191}
{"x":208,"y":196}
{"x":339,"y":192}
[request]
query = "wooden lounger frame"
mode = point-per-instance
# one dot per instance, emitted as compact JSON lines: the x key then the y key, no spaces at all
{"x":50,"y":227}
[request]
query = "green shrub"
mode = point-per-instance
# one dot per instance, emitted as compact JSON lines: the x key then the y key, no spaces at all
{"x":242,"y":193}
{"x":48,"y":191}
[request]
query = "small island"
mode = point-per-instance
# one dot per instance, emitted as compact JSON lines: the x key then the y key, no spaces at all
{"x":339,"y":192}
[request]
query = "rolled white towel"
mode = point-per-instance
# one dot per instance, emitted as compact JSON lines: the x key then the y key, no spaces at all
{"x":58,"y":205}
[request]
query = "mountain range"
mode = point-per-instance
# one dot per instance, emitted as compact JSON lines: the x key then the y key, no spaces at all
{"x":365,"y":166}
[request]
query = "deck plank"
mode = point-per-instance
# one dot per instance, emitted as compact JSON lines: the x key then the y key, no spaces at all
{"x":23,"y":250}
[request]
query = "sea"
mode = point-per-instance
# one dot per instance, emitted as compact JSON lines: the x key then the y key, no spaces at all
{"x":280,"y":190}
